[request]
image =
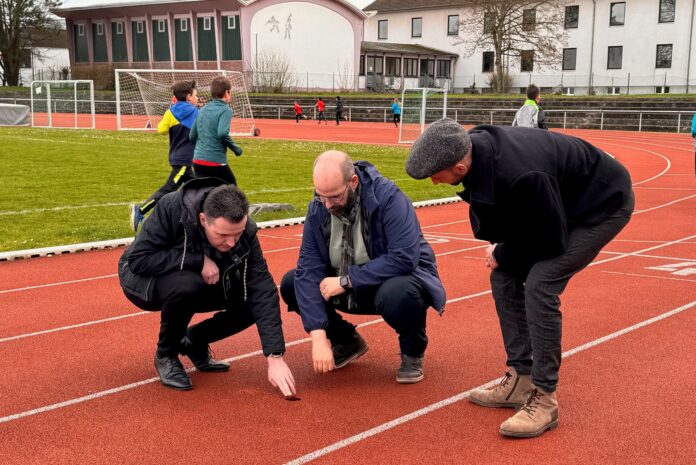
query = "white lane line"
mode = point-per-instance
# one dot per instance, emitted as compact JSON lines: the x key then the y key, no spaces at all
{"x":667,"y":188}
{"x":40,"y":286}
{"x":463,"y":395}
{"x":638,"y":252}
{"x":651,"y":276}
{"x":659,"y":257}
{"x":96,"y":395}
{"x":637,"y":212}
{"x":444,"y":224}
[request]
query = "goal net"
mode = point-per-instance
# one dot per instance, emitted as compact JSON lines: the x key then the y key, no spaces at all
{"x":143,"y":95}
{"x":419,"y":107}
{"x":62,"y":104}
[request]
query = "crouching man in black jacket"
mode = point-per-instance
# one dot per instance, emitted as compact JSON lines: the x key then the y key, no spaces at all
{"x":198,"y":252}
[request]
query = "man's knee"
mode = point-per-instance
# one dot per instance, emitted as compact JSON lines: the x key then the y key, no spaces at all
{"x":399,"y":296}
{"x":180,"y":286}
{"x":287,"y":290}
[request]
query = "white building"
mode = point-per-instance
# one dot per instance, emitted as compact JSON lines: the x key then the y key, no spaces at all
{"x":647,"y":46}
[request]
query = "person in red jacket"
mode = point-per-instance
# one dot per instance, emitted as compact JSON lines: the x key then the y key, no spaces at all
{"x":298,"y":112}
{"x":320,"y":106}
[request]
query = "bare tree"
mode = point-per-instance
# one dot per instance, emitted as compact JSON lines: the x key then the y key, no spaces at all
{"x":272,"y":72}
{"x":529,"y":31}
{"x":345,"y":79}
{"x":22,"y":22}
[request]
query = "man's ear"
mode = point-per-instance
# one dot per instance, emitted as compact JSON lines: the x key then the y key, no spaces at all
{"x":202,"y":218}
{"x":354,"y":181}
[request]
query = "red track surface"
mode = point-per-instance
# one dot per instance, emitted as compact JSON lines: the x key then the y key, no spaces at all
{"x":87,"y":394}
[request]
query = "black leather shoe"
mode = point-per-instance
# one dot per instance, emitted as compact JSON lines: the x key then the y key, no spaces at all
{"x":202,"y":357}
{"x":346,"y":353}
{"x":410,"y":371}
{"x":172,"y":373}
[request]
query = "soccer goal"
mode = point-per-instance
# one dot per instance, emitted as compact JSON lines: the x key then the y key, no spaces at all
{"x":62,"y":104}
{"x":143,"y":95}
{"x":420,"y":106}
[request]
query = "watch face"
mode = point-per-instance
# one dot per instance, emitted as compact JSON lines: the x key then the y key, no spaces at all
{"x":343,"y":281}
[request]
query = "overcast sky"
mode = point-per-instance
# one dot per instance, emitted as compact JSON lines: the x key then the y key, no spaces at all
{"x":77,"y":3}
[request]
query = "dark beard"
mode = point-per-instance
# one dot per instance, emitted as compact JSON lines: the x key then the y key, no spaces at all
{"x":345,"y":210}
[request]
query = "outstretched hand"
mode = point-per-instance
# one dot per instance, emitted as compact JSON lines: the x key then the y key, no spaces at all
{"x":280,"y":376}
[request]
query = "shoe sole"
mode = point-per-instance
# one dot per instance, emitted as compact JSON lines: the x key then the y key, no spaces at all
{"x":495,"y":405}
{"x":409,"y":380}
{"x":213,"y":370}
{"x":177,"y":388}
{"x":355,"y":356}
{"x":533,"y":434}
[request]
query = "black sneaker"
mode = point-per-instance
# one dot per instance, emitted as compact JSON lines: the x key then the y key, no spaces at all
{"x":202,"y":357}
{"x":346,"y":353}
{"x":172,"y":373}
{"x":410,"y":371}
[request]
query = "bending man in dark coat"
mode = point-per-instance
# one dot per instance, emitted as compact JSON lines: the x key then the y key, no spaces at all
{"x":363,"y":253}
{"x":198,"y":252}
{"x":548,"y":203}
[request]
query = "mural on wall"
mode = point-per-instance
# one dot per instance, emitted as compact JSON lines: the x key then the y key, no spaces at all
{"x":274,"y":24}
{"x":288,"y":27}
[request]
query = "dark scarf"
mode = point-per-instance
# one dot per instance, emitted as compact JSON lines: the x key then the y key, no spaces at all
{"x":348,"y":219}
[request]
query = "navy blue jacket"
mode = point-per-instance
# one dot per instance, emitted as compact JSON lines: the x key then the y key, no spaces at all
{"x":528,"y":188}
{"x":393,"y":239}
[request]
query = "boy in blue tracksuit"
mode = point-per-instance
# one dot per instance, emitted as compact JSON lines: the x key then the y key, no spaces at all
{"x":211,"y":134}
{"x":396,"y":111}
{"x":176,"y":122}
{"x":693,"y":134}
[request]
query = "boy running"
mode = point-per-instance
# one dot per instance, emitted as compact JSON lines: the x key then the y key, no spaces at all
{"x":321,"y":106}
{"x":176,"y":122}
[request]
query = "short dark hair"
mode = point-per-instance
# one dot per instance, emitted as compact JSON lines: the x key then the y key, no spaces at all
{"x":182,"y":89}
{"x":532,"y":92}
{"x":219,"y":85}
{"x":227,"y":202}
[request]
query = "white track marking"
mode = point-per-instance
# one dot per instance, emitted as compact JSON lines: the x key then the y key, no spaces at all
{"x":463,"y":395}
{"x":651,"y":276}
{"x":659,"y":257}
{"x":637,"y":212}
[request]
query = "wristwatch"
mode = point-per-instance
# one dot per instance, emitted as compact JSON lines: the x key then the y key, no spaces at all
{"x":344,"y":282}
{"x":276,"y":354}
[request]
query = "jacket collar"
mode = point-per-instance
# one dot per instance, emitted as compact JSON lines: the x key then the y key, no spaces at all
{"x":478,"y":186}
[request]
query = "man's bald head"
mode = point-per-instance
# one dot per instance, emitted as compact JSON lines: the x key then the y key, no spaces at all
{"x":332,"y":169}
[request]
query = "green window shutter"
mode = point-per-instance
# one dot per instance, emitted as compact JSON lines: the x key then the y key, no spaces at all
{"x":81,"y":54}
{"x":99,"y":42}
{"x":119,"y":52}
{"x":206,"y":39}
{"x":139,"y":42}
{"x":160,"y":40}
{"x":182,"y":40}
{"x":231,"y":38}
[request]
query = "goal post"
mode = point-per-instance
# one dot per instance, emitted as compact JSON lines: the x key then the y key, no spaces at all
{"x":143,"y":95}
{"x":420,"y":106}
{"x":62,"y":104}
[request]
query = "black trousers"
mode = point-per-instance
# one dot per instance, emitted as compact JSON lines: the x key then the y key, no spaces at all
{"x":339,"y":115}
{"x":402,"y":301}
{"x":223,"y":172}
{"x":397,"y":118}
{"x":320,"y":116}
{"x":178,"y":176}
{"x":529,"y":307}
{"x":181,"y":294}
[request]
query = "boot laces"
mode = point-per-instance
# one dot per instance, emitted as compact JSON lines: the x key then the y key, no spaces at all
{"x":532,"y":402}
{"x":504,"y":381}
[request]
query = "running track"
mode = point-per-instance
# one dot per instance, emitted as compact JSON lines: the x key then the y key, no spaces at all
{"x":78,"y":384}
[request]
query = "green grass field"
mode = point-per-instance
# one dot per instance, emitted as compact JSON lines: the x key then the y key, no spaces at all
{"x":70,"y":186}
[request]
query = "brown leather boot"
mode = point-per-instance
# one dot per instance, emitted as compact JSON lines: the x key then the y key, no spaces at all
{"x":511,"y":392}
{"x":539,"y":414}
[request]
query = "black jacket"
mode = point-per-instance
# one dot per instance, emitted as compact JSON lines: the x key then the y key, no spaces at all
{"x":527,"y":187}
{"x":172,"y":239}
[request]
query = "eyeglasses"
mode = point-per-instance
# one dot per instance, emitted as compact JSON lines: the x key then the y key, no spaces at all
{"x":332,"y":198}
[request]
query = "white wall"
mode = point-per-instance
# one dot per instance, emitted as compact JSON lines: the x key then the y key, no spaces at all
{"x":47,"y":64}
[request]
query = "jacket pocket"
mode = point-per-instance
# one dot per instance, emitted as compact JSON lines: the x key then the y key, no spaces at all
{"x":139,"y":286}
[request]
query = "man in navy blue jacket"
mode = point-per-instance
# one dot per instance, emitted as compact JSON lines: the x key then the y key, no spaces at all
{"x":548,"y":203}
{"x":362,"y":252}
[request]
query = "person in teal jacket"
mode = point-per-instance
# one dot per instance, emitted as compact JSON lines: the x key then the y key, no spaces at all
{"x":211,"y":134}
{"x":396,"y":111}
{"x":693,"y":134}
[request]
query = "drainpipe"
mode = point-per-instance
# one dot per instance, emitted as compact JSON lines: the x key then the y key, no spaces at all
{"x":594,"y":17}
{"x":688,"y":58}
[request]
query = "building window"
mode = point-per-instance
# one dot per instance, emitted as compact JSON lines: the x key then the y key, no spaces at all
{"x":617,"y":14}
{"x":443,"y":68}
{"x":80,"y":29}
{"x":529,"y":19}
{"x":614,"y":57}
{"x":614,"y":90}
{"x":488,"y":62}
{"x":453,"y":25}
{"x":161,"y":25}
{"x":382,"y":26}
{"x":527,"y":61}
{"x":25,"y":59}
{"x":362,"y":65}
{"x":119,"y":29}
{"x":569,"y":58}
{"x":662,"y":90}
{"x":206,"y":23}
{"x":183,"y":25}
{"x":393,"y":66}
{"x":488,"y":22}
{"x":666,"y":11}
{"x":416,"y":27}
{"x":410,"y":67}
{"x":571,"y":16}
{"x":140,"y":27}
{"x":663,"y":58}
{"x":231,"y":22}
{"x":568,"y":90}
{"x":100,"y":29}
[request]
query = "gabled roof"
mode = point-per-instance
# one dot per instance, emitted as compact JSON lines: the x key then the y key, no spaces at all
{"x":410,"y":49}
{"x":403,"y":5}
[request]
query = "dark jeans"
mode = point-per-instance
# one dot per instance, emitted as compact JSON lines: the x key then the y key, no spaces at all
{"x":339,"y":115}
{"x":397,"y":118}
{"x":320,"y":116}
{"x":402,"y":301}
{"x":181,"y":294}
{"x":223,"y":172}
{"x":179,"y":175}
{"x":529,"y":306}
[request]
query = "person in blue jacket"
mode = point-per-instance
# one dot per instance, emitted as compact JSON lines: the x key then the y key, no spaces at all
{"x":362,"y":252}
{"x":396,"y":111}
{"x":693,"y":134}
